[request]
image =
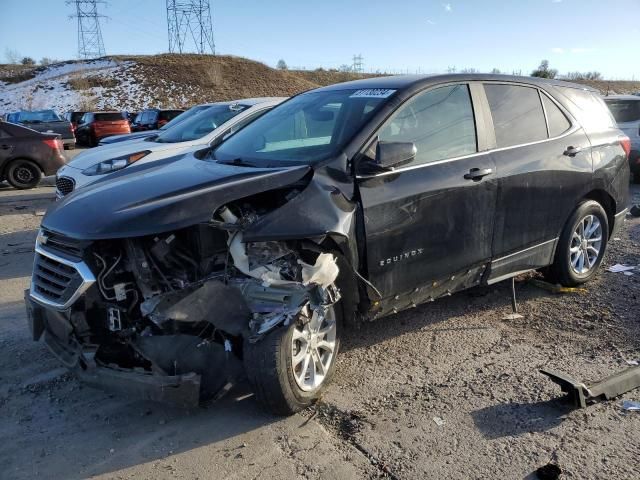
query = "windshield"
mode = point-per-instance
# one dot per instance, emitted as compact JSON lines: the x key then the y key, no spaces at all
{"x":184,"y":116}
{"x":39,"y":116}
{"x":624,"y":110}
{"x":310,"y":127}
{"x":201,"y":124}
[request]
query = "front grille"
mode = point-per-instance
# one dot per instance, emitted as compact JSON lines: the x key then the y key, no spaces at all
{"x":65,"y":185}
{"x":57,"y":281}
{"x":61,"y":243}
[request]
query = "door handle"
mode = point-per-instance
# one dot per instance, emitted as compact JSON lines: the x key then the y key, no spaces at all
{"x":572,"y":151}
{"x":476,"y":174}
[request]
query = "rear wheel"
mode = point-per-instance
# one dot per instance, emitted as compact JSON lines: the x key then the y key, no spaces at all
{"x":290,"y":367}
{"x":581,"y":246}
{"x":23,"y":174}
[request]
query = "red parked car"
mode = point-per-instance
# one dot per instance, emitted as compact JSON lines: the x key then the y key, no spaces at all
{"x":96,"y":125}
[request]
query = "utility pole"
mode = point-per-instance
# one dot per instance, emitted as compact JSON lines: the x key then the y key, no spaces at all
{"x":90,"y":44}
{"x":190,"y":19}
{"x":357,"y":64}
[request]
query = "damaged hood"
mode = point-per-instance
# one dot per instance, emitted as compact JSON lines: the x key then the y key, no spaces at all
{"x":160,"y":196}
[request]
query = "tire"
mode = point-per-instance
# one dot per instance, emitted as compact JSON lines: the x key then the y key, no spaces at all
{"x":269,"y":364}
{"x":571,"y":266}
{"x":23,"y":174}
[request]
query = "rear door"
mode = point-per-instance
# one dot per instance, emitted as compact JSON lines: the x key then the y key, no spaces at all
{"x":544,"y":164}
{"x":429,"y":224}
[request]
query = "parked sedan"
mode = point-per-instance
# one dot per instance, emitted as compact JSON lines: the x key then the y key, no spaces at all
{"x":27,"y":155}
{"x":626,"y":111}
{"x":46,"y":121}
{"x":344,"y":204}
{"x":153,"y":119}
{"x":95,"y":126}
{"x":148,"y":133}
{"x":206,"y":128}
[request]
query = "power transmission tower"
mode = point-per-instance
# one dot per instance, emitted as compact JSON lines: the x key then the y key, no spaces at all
{"x":90,"y":43}
{"x":193,"y":17}
{"x":357,"y":63}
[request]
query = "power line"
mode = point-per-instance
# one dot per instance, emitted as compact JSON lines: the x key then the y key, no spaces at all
{"x":192,"y":17}
{"x":90,"y":44}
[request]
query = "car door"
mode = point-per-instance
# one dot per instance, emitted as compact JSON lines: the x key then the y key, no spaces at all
{"x":429,"y":224}
{"x":6,"y":147}
{"x":543,"y":163}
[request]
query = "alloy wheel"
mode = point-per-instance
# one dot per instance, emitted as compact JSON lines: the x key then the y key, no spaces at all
{"x":313,"y":345}
{"x":586,"y":243}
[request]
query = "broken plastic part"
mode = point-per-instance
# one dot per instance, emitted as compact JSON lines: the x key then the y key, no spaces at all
{"x":607,"y":388}
{"x":324,"y":272}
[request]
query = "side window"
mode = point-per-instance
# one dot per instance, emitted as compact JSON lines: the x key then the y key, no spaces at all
{"x":517,"y":114}
{"x":557,"y":121}
{"x":439,"y":122}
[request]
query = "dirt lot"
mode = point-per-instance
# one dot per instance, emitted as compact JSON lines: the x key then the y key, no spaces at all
{"x":456,"y":359}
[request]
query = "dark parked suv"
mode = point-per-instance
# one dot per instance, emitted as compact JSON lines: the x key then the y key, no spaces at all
{"x":153,"y":119}
{"x":346,"y":203}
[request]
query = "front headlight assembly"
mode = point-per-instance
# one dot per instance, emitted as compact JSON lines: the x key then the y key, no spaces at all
{"x":115,"y":164}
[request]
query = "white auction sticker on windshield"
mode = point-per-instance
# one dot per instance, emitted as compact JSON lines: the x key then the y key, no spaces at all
{"x":373,"y":93}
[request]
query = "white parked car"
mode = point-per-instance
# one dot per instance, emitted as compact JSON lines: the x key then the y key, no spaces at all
{"x":626,"y":111}
{"x":206,"y":128}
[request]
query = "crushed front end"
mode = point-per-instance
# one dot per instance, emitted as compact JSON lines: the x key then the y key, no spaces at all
{"x":167,"y":317}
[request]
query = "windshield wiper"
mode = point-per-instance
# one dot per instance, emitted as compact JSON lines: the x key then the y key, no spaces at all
{"x":238,"y":162}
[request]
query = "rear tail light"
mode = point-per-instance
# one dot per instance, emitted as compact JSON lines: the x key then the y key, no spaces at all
{"x":54,"y":143}
{"x":625,"y":142}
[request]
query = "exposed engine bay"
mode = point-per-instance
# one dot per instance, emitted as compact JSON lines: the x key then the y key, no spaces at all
{"x":189,"y":302}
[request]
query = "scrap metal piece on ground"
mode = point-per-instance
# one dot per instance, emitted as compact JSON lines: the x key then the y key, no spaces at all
{"x":606,"y":389}
{"x":631,"y":405}
{"x":550,"y":287}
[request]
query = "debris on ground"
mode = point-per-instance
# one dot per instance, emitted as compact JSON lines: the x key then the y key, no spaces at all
{"x":512,"y":316}
{"x":550,"y":287}
{"x":550,"y":471}
{"x":631,"y":405}
{"x":617,"y":268}
{"x":438,"y":421}
{"x":580,"y":394}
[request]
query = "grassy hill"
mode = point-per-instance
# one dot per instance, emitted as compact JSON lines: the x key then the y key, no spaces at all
{"x":133,"y":82}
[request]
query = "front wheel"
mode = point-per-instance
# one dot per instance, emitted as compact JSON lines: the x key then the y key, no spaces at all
{"x":23,"y":174}
{"x":581,"y":246}
{"x":291,"y":366}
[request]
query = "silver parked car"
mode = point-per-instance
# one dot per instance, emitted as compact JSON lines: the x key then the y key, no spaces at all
{"x":626,"y":111}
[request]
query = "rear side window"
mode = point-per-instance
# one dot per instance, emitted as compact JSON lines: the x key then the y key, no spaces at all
{"x":439,"y":122}
{"x":588,"y":108}
{"x":624,"y":110}
{"x":558,"y":123}
{"x":517,"y":114}
{"x":108,"y":117}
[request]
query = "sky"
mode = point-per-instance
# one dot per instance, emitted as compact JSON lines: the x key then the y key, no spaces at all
{"x":392,"y":36}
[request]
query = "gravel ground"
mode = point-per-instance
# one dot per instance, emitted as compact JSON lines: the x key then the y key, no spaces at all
{"x":448,"y":390}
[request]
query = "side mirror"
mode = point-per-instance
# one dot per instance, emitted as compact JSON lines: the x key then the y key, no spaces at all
{"x":393,"y":154}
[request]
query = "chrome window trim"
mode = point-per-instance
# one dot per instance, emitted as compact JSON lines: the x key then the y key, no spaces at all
{"x":574,"y":127}
{"x":524,"y":250}
{"x":81,"y":267}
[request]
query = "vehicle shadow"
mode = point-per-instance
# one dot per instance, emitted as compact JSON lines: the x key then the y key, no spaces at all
{"x":514,"y":419}
{"x":16,"y":254}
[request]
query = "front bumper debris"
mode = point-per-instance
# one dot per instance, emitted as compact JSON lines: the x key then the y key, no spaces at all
{"x":581,"y":394}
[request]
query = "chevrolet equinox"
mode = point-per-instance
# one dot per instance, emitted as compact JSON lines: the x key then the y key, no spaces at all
{"x":177,"y":278}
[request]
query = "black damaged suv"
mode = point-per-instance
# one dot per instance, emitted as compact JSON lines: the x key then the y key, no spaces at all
{"x":351,"y":202}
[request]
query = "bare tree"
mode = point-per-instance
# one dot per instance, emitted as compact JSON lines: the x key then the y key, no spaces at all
{"x":12,"y":56}
{"x":282,"y":65}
